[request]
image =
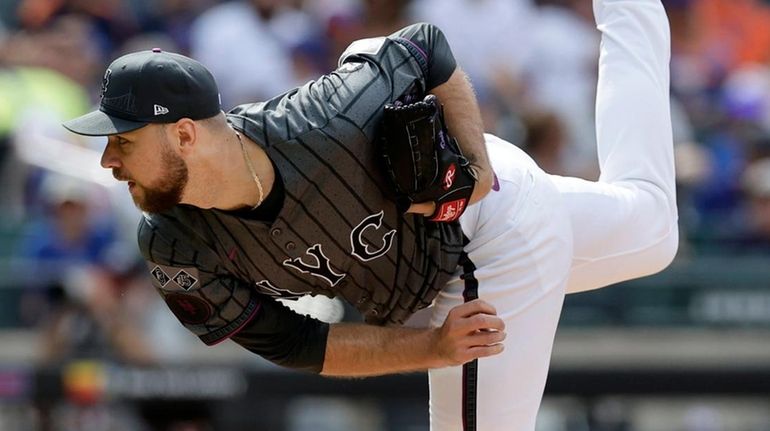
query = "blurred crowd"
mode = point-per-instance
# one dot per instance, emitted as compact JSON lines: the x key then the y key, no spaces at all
{"x":532,"y":63}
{"x":67,"y":231}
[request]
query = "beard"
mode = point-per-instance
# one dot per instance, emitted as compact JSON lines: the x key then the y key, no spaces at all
{"x":165,"y":192}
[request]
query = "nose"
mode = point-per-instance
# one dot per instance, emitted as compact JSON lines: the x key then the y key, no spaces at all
{"x":110,"y":159}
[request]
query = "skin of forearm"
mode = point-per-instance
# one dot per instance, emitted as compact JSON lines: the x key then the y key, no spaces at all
{"x":359,"y":350}
{"x":463,"y":119}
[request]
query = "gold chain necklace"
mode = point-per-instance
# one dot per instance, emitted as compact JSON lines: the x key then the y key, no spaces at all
{"x":253,"y":172}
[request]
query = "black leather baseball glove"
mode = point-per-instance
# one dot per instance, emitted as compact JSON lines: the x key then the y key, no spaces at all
{"x":422,"y":161}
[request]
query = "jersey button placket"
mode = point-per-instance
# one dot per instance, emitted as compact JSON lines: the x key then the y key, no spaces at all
{"x":280,"y":240}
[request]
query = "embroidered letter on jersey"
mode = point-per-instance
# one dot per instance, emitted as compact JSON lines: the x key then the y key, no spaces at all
{"x":361,"y":250}
{"x":322,"y":269}
{"x":268,"y":288}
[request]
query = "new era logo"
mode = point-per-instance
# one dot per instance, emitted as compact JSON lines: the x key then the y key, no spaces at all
{"x":160,"y":110}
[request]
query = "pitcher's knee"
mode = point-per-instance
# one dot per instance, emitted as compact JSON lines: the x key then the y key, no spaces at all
{"x":666,"y":250}
{"x":663,"y":233}
{"x":656,"y":228}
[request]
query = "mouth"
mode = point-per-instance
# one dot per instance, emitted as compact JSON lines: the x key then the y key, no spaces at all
{"x":131,"y":185}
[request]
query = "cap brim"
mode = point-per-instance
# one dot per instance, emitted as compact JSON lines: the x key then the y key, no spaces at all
{"x":98,"y":123}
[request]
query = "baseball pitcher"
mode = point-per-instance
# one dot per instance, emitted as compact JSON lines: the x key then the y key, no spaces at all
{"x":375,"y":184}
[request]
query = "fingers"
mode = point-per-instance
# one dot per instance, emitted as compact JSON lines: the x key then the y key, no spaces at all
{"x":473,"y":316}
{"x":482,"y":345}
{"x":486,"y":338}
{"x":471,"y":330}
{"x":485,"y":351}
{"x":481,"y":322}
{"x":474,"y":307}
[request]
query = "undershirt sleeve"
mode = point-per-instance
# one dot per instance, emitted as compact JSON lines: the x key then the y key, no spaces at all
{"x":285,"y":338}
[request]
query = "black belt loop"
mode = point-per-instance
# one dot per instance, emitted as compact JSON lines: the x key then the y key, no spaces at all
{"x":470,"y":369}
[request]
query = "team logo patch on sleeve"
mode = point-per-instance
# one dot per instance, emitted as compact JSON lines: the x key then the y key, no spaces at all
{"x":171,"y":278}
{"x":185,"y":280}
{"x":189,"y":309}
{"x":160,"y":276}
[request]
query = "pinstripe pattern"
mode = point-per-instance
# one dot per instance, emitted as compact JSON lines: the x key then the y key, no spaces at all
{"x":321,"y":137}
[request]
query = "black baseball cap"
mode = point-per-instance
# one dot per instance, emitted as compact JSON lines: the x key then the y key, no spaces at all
{"x":150,"y":87}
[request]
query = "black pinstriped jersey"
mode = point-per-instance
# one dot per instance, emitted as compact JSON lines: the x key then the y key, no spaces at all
{"x":336,"y":234}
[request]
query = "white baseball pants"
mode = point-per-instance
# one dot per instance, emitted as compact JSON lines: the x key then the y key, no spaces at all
{"x":540,"y":236}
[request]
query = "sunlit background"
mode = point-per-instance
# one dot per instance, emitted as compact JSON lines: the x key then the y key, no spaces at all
{"x":86,"y":344}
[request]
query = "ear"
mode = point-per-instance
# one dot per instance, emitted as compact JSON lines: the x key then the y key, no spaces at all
{"x":186,"y":135}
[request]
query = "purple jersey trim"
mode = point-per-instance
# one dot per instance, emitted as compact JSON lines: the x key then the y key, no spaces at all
{"x":417,"y":47}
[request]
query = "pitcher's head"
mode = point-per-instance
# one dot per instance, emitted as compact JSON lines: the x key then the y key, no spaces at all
{"x":152,"y":104}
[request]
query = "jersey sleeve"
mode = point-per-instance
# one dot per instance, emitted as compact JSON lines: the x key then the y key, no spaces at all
{"x":371,"y":73}
{"x":215,"y":305}
{"x":425,"y":43}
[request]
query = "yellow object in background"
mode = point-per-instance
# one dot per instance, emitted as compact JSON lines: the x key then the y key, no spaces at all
{"x":26,"y":88}
{"x":85,"y":382}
